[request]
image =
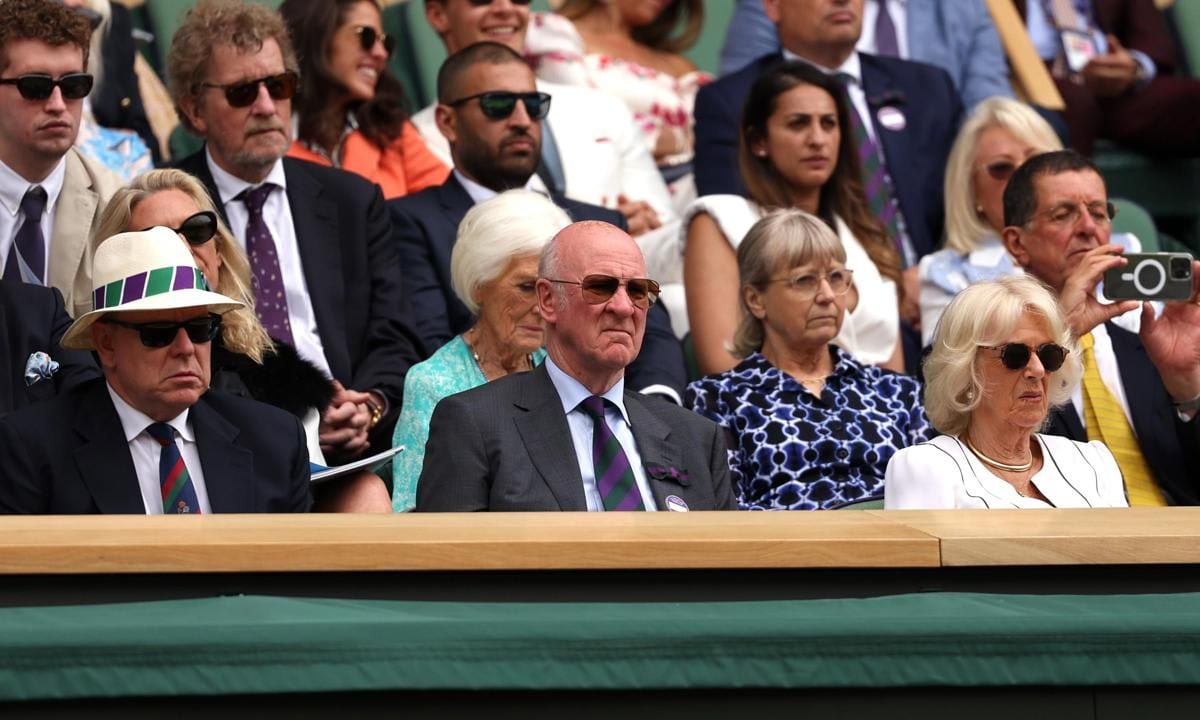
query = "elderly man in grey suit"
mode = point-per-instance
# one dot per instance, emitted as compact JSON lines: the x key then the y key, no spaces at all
{"x":567,"y":436}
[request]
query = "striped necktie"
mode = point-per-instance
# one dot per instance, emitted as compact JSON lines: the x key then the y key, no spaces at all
{"x":1107,"y":423}
{"x":178,"y":493}
{"x":614,"y":476}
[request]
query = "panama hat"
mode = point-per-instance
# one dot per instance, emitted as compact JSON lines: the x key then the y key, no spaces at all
{"x":139,"y":271}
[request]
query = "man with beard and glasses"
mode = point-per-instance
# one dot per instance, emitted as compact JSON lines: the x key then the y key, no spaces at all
{"x":325,"y":269}
{"x":490,"y":112}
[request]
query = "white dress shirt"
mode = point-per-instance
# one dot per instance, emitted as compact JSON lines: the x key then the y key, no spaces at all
{"x":899,"y":12}
{"x":480,"y":193}
{"x":12,"y":190}
{"x":277,"y":213}
{"x":571,"y":392}
{"x":146,"y":451}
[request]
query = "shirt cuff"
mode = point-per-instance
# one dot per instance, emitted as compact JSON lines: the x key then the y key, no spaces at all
{"x":663,"y":391}
{"x":1149,"y":69}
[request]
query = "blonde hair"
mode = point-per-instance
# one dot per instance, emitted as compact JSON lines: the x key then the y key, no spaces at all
{"x":982,"y":315}
{"x":780,"y":241}
{"x":964,"y":226}
{"x":241,"y":331}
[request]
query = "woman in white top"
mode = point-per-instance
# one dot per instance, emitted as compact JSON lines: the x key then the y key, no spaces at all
{"x":1002,"y":355}
{"x":796,"y":150}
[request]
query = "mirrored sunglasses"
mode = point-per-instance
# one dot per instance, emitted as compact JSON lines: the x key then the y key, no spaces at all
{"x":368,"y":36}
{"x":599,"y":289}
{"x":243,"y":94}
{"x":197,"y":229}
{"x":161,"y":334}
{"x":74,"y":86}
{"x":1015,"y":356}
{"x":499,"y":104}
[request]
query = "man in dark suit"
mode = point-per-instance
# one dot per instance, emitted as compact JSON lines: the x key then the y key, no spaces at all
{"x":1058,"y":222}
{"x":493,"y":153}
{"x":33,"y":368}
{"x":568,"y":436}
{"x":149,"y":437}
{"x":326,"y":269}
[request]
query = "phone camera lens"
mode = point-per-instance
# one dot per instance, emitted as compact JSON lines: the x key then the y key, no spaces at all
{"x":1180,"y":268}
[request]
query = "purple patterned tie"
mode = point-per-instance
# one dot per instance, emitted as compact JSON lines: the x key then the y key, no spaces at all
{"x":270,"y":298}
{"x":27,"y":256}
{"x":614,"y":476}
{"x":885,"y":32}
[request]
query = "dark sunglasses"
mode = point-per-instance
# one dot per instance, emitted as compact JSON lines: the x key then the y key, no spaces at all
{"x":599,"y":289}
{"x":481,"y":3}
{"x":75,"y":86}
{"x":243,"y":94}
{"x":197,"y":229}
{"x":499,"y":104}
{"x":161,"y":334}
{"x":1015,"y":356}
{"x":1001,"y":170}
{"x":368,"y":36}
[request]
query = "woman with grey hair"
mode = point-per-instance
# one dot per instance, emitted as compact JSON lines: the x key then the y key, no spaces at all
{"x":493,"y":270}
{"x":809,"y":426}
{"x":1002,"y":356}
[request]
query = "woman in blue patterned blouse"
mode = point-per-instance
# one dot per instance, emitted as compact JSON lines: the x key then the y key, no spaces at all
{"x":809,"y":427}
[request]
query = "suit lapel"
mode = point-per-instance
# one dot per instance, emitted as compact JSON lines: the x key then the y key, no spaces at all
{"x":69,"y":238}
{"x":102,"y":457}
{"x":547,"y":438}
{"x":652,"y":436}
{"x":228,"y":468}
{"x":1139,"y":378}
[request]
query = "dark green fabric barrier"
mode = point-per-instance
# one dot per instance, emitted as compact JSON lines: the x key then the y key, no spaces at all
{"x":252,"y":644}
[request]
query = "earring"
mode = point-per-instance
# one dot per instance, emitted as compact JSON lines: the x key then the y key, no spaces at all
{"x":979,"y":210}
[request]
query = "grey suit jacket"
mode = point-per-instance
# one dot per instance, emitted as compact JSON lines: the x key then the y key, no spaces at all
{"x":86,"y":189}
{"x":506,"y":445}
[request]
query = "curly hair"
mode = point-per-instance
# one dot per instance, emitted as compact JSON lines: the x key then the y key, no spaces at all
{"x":381,"y":120}
{"x":241,"y":331}
{"x":52,"y":23}
{"x":212,"y":23}
{"x":660,"y":34}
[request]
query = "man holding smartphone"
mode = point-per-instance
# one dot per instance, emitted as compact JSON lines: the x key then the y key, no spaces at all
{"x":1140,"y":392}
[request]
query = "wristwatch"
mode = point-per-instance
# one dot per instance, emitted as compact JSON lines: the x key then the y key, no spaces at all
{"x":1187,"y":407}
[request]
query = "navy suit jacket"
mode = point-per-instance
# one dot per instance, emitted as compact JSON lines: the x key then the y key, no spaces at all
{"x":426,"y":225}
{"x":33,"y":319}
{"x":915,"y":154}
{"x":1171,"y":447}
{"x":69,"y":456}
{"x":352,"y":272}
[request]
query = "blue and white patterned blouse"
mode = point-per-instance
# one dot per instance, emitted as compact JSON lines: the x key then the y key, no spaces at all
{"x":790,"y":450}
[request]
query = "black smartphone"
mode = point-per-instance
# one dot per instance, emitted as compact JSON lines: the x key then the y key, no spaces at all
{"x":1150,"y":276}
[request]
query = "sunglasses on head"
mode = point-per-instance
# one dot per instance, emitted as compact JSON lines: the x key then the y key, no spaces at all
{"x":1015,"y":356}
{"x":368,"y":36}
{"x":499,"y":104}
{"x":161,"y":334}
{"x":74,"y":86}
{"x":197,"y":229}
{"x":243,"y":94}
{"x":599,"y":289}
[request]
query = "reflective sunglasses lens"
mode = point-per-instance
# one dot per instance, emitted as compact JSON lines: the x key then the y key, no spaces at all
{"x":1052,"y":356}
{"x":497,"y":105}
{"x":1002,"y":170}
{"x":199,"y":228}
{"x":75,"y":86}
{"x":366,"y":38}
{"x":1015,"y":356}
{"x":35,"y":87}
{"x":537,"y":105}
{"x":599,"y":288}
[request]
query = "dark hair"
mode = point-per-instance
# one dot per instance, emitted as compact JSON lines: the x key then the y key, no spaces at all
{"x":843,"y":194}
{"x":657,"y":34}
{"x":312,"y":24}
{"x":1020,"y":195}
{"x":489,"y":52}
{"x":52,"y":23}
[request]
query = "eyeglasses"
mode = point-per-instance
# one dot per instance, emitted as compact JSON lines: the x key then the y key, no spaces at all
{"x":1015,"y":356}
{"x":243,"y":94}
{"x":197,"y":229}
{"x":499,"y":104}
{"x":599,"y":289}
{"x":807,"y":286}
{"x":1069,"y":213}
{"x":161,"y":334}
{"x":75,"y":86}
{"x":1001,"y":170}
{"x":368,"y":36}
{"x":482,"y":3}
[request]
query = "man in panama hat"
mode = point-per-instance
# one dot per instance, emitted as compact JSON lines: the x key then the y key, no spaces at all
{"x":150,"y":438}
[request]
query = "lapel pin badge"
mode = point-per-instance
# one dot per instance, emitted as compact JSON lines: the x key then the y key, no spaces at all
{"x":892,"y":118}
{"x":676,"y":504}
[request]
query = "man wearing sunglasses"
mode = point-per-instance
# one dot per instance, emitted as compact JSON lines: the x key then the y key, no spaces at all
{"x":491,"y":113}
{"x":150,"y":437}
{"x":568,"y":435}
{"x":1141,"y":390}
{"x":51,"y":195}
{"x":325,"y":264}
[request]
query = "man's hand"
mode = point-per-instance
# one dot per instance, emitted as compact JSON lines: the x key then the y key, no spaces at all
{"x":1172,"y":340}
{"x":1078,"y":297}
{"x":640,"y":216}
{"x":1112,"y":74}
{"x":344,"y":425}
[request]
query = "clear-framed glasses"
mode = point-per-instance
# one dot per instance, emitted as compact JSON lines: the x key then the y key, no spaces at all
{"x":807,"y":286}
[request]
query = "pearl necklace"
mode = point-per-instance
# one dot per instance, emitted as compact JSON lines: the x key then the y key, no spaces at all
{"x":996,"y":463}
{"x":475,"y":354}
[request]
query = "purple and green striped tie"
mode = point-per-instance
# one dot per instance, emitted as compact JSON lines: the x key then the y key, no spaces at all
{"x":178,"y":493}
{"x":614,"y":476}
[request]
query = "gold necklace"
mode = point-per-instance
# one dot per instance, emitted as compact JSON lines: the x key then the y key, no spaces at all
{"x":996,"y":463}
